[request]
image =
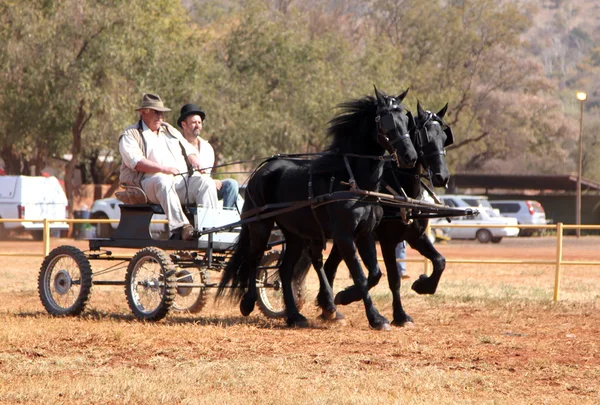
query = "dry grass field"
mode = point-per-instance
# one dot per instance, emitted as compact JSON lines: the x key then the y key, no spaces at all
{"x":491,"y":335}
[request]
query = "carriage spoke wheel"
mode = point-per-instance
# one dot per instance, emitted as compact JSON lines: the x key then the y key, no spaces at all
{"x":191,"y":298}
{"x":270,"y":292}
{"x":150,"y":284}
{"x":65,"y":281}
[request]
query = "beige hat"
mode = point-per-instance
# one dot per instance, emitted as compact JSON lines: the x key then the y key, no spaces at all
{"x":153,"y":102}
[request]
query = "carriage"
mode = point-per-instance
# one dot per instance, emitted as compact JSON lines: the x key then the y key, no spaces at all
{"x":333,"y":197}
{"x":163,"y":274}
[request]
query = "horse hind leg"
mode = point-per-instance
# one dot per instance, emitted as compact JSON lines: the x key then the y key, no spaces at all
{"x":260,"y":233}
{"x":293,"y":253}
{"x":325,"y":297}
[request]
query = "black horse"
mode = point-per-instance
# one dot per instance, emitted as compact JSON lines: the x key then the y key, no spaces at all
{"x":431,"y":136}
{"x":310,"y":201}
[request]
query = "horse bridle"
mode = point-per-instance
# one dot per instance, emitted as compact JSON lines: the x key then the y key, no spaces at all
{"x":449,"y":140}
{"x":386,"y":124}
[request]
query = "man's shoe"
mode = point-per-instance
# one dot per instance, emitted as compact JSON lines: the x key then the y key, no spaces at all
{"x":187,"y":233}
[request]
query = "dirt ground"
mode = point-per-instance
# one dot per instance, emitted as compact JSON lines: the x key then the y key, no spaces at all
{"x":491,"y":334}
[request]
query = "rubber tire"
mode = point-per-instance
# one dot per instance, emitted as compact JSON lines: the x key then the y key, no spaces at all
{"x":497,"y":239}
{"x":273,"y":307}
{"x":167,"y":288}
{"x":102,"y":230}
{"x":483,"y":236}
{"x":202,"y":298}
{"x":44,"y":281}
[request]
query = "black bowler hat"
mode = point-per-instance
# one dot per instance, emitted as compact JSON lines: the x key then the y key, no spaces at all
{"x":190,"y":109}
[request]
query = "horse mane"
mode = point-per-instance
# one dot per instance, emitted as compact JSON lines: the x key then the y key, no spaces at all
{"x":347,"y":124}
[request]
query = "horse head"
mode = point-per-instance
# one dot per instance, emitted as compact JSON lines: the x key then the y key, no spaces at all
{"x":431,"y":136}
{"x":394,"y":125}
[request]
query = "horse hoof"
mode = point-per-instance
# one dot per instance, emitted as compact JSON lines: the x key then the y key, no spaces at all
{"x":335,"y":317}
{"x":403,"y":324}
{"x":385,"y":326}
{"x":246,"y":307}
{"x":420,"y":285}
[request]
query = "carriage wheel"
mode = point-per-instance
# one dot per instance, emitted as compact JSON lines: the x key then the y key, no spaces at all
{"x":270,"y":293}
{"x":150,"y":284}
{"x":65,"y":281}
{"x":191,"y":299}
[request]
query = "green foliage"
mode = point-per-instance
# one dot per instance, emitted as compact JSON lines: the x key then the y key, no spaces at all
{"x":270,"y":77}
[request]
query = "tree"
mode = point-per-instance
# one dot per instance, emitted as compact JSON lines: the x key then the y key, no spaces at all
{"x":76,"y":67}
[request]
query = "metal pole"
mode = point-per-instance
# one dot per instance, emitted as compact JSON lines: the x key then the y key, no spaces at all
{"x":559,"y":251}
{"x":579,"y":173}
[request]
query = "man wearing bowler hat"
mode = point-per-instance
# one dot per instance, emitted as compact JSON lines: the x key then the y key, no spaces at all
{"x":155,"y":158}
{"x":190,"y":120}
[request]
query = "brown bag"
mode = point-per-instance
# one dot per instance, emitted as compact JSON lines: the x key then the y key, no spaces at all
{"x":132,"y":195}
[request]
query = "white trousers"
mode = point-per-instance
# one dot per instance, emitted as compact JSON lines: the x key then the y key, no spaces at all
{"x":170,"y":191}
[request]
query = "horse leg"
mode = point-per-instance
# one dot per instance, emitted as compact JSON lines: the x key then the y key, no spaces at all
{"x":331,"y":264}
{"x":425,"y":284}
{"x":368,"y":253}
{"x":388,"y":250}
{"x":293,"y":252}
{"x":260,"y":233}
{"x":325,"y":296}
{"x":352,"y":293}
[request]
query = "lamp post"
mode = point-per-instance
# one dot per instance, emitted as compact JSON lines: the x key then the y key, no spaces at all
{"x":581,"y":96}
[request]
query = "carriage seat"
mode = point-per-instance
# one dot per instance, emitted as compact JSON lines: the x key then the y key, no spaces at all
{"x":137,"y":212}
{"x":137,"y":198}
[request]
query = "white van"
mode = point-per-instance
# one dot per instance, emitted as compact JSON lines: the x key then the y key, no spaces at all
{"x":32,"y":197}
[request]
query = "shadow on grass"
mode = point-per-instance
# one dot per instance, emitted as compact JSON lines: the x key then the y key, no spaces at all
{"x":175,"y":318}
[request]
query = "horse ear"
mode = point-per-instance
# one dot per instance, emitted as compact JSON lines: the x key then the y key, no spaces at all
{"x":411,"y":121}
{"x":420,"y":111}
{"x":442,"y":112}
{"x":380,"y":99}
{"x":401,"y":97}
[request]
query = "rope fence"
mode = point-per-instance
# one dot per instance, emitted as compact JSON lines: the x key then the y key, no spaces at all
{"x":558,"y":261}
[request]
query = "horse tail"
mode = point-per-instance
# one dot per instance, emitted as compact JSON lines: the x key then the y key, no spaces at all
{"x":235,"y":275}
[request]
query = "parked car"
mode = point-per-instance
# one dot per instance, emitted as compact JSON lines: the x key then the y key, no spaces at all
{"x":466,"y":200}
{"x":527,"y":212}
{"x":108,"y":208}
{"x":481,"y":222}
{"x":32,"y":197}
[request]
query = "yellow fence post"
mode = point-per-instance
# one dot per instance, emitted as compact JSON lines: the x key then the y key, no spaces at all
{"x":559,"y":246}
{"x":46,"y":237}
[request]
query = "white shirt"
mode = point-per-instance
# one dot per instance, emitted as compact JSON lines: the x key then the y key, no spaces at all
{"x":207,"y":155}
{"x":163,"y":149}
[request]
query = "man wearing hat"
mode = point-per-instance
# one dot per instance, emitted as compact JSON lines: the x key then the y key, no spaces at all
{"x":156,"y":158}
{"x":190,"y":120}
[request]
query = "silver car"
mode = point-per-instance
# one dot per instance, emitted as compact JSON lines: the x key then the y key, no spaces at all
{"x":527,"y":212}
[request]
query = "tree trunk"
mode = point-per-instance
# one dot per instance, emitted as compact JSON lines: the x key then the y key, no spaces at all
{"x":12,"y":160}
{"x":81,"y":120}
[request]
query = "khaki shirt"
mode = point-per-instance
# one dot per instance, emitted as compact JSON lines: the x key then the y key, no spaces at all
{"x":164,"y":148}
